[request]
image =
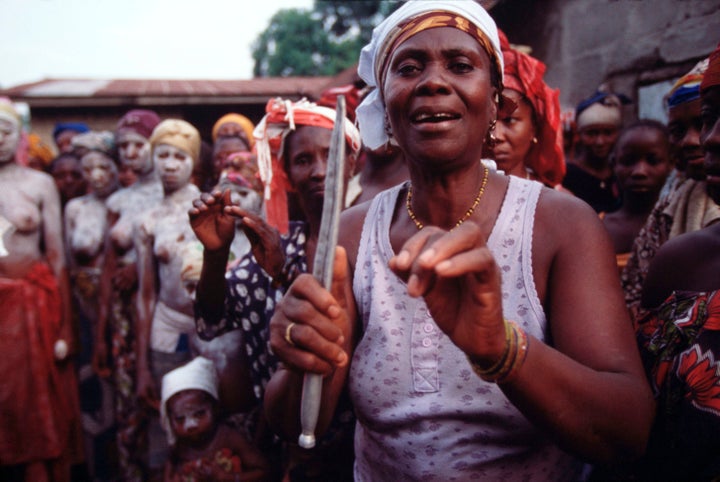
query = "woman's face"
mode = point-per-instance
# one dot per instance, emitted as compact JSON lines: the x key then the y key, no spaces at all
{"x":134,"y":150}
{"x":684,"y":124}
{"x":100,"y":172}
{"x":598,"y":140}
{"x":68,"y":176}
{"x":642,"y":161}
{"x":710,"y":137}
{"x":174,"y":165}
{"x":306,"y":156}
{"x":191,"y":416}
{"x":233,"y":129}
{"x":9,"y":139}
{"x":223,"y":147}
{"x":439,"y":96}
{"x":514,"y":134}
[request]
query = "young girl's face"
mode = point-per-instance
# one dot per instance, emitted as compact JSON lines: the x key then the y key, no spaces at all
{"x":191,"y":416}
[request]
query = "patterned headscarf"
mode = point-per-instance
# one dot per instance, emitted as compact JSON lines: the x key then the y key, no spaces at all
{"x":687,"y":87}
{"x":245,"y":123}
{"x":102,"y":141}
{"x":241,"y":169}
{"x":712,"y":74}
{"x":178,"y":133}
{"x":524,"y":74}
{"x":410,"y":19}
{"x":281,"y":118}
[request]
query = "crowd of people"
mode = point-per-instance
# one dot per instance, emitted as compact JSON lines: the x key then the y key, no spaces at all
{"x":506,"y":303}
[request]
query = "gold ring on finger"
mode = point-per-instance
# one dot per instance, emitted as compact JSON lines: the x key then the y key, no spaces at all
{"x":288,"y":333}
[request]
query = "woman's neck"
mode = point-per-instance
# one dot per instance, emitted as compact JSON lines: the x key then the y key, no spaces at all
{"x":446,"y":201}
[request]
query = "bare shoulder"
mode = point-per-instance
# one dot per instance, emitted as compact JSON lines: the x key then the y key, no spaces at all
{"x":351,"y":223}
{"x":686,"y":262}
{"x":565,"y":219}
{"x":39,"y":182}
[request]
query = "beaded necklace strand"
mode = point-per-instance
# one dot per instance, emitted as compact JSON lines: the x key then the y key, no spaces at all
{"x":468,"y":213}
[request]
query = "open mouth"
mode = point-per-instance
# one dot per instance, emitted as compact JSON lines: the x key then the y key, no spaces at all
{"x":433,"y":117}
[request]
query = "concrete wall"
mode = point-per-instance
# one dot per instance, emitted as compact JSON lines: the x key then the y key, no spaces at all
{"x":626,"y":44}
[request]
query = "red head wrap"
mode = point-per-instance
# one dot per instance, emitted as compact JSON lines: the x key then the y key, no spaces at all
{"x":524,"y":74}
{"x":712,"y":74}
{"x":282,"y":116}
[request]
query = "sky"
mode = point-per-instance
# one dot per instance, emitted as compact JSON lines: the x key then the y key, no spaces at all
{"x":131,"y":39}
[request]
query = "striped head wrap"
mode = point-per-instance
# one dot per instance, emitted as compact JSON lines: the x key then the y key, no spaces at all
{"x":687,"y":87}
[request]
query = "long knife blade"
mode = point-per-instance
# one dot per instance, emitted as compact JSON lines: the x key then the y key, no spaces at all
{"x":324,"y":260}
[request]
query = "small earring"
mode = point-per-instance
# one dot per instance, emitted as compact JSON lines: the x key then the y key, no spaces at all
{"x":534,"y":140}
{"x":490,"y":139}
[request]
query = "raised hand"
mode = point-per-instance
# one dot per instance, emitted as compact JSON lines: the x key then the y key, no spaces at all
{"x":214,"y":226}
{"x":458,"y":278}
{"x":265,"y":240}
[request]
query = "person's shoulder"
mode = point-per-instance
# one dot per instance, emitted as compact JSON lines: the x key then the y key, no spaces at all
{"x":115,"y":200}
{"x":561,"y":205}
{"x":41,"y":179}
{"x":685,"y":249}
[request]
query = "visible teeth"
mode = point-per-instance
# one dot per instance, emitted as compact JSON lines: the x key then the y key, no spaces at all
{"x":439,"y":116}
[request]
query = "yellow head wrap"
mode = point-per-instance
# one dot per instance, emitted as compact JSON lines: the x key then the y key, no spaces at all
{"x":177,"y":133}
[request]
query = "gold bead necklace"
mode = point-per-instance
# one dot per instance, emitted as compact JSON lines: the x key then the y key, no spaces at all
{"x":468,"y":213}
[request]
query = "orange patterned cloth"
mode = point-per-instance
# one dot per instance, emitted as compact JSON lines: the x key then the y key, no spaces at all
{"x":39,"y":405}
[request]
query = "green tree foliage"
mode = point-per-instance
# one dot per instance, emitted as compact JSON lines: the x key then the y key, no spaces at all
{"x":323,"y":41}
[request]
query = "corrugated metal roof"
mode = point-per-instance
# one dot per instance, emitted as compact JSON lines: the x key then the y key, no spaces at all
{"x":200,"y":90}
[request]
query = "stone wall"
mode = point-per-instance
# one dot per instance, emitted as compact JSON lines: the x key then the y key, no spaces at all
{"x":629,"y":45}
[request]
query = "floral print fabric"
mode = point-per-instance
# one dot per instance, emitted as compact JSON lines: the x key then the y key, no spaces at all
{"x":250,"y":301}
{"x":680,"y":346}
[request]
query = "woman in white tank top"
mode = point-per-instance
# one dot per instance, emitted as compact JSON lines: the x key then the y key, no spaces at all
{"x":475,"y":320}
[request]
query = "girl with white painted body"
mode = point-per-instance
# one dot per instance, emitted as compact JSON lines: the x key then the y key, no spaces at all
{"x":118,"y":285}
{"x":86,"y":221}
{"x":166,"y":252}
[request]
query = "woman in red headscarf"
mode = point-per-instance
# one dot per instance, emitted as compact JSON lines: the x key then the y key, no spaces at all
{"x":528,"y":140}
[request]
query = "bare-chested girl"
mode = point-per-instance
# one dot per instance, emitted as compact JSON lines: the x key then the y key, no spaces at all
{"x":118,"y":286}
{"x":165,"y":243}
{"x":39,"y":409}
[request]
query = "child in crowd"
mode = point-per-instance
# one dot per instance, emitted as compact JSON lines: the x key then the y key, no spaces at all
{"x":202,"y":447}
{"x":641,"y":161}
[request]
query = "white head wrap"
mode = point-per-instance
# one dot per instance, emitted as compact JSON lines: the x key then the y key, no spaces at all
{"x":198,"y":374}
{"x":371,"y":112}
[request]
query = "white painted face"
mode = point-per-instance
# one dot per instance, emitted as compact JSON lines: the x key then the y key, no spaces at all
{"x":134,"y":151}
{"x":100,"y":172}
{"x":9,"y":139}
{"x":174,"y":165}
